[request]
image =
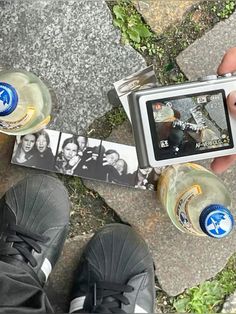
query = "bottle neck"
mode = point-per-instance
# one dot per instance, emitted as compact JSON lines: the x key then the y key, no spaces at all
{"x":8,"y":99}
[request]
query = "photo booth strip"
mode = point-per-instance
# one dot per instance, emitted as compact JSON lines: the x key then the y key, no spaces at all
{"x":98,"y":160}
{"x":95,"y":159}
{"x":144,"y":78}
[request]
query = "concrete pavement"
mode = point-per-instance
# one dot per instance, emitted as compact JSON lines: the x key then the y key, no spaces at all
{"x":74,"y":46}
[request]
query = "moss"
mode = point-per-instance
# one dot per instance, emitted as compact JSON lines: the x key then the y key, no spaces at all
{"x":102,"y":127}
{"x":210,"y":295}
{"x":89,"y":212}
{"x":162,"y":50}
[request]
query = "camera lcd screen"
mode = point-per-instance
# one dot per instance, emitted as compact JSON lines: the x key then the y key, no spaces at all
{"x":189,"y":125}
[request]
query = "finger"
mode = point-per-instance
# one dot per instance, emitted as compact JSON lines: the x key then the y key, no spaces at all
{"x":221,"y":164}
{"x":228,"y":63}
{"x":231,"y":103}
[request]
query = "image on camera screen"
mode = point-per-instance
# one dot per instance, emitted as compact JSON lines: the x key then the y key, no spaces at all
{"x":189,"y":125}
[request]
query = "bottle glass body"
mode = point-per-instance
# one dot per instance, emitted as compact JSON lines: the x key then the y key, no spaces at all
{"x":185,"y":190}
{"x":33,"y":108}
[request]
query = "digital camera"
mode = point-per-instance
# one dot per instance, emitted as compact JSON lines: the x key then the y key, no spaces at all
{"x":183,"y":122}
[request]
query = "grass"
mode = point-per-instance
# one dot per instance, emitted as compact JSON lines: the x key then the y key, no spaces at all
{"x":209,"y":296}
{"x":89,"y":211}
{"x":162,"y":50}
{"x":159,"y":50}
{"x":225,"y":10}
{"x":101,"y":128}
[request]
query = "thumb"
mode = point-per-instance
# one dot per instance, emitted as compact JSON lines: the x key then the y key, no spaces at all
{"x":228,"y":63}
{"x":231,"y":103}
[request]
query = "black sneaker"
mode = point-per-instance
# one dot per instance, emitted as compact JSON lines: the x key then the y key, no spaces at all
{"x":34,"y":217}
{"x":115,"y":274}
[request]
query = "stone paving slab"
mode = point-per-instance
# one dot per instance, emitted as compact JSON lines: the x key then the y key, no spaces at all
{"x":61,"y":280}
{"x":205,"y":54}
{"x":230,"y":304}
{"x":47,"y":37}
{"x":74,"y":47}
{"x":181,"y":260}
{"x":202,"y":58}
{"x":159,"y":15}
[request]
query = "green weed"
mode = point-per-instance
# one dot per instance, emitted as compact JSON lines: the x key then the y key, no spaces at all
{"x":210,"y":295}
{"x":116,"y":117}
{"x":162,"y":50}
{"x":224,"y":10}
{"x":134,"y":30}
{"x":73,"y":184}
{"x":102,"y":127}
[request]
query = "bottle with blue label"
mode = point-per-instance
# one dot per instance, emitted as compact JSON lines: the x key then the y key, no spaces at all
{"x":25,"y":103}
{"x":196,"y":200}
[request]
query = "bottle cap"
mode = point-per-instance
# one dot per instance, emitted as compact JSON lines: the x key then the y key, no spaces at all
{"x":216,"y":221}
{"x":8,"y":99}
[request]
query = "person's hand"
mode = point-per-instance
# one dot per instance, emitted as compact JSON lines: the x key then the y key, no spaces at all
{"x":74,"y":161}
{"x":94,"y":156}
{"x":228,"y":64}
{"x":69,"y":172}
{"x":104,"y":161}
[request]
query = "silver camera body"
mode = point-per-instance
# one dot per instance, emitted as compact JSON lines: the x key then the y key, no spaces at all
{"x":183,"y":122}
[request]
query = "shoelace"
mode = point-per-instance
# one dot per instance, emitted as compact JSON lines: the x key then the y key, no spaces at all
{"x":108,"y":297}
{"x":23,"y":243}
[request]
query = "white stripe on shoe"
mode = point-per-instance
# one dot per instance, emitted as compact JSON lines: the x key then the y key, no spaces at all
{"x":139,"y":309}
{"x":46,"y":268}
{"x":77,"y":304}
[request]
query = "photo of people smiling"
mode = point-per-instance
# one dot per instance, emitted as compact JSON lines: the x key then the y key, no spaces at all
{"x":88,"y":158}
{"x":77,"y":155}
{"x":36,"y":150}
{"x":89,"y":152}
{"x":24,"y":150}
{"x":118,"y":164}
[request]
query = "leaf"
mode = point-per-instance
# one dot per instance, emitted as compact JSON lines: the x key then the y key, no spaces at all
{"x":118,"y":23}
{"x":133,"y":35}
{"x":125,"y":38}
{"x":119,"y":12}
{"x":181,"y":305}
{"x":168,"y":67}
{"x":143,"y":48}
{"x":142,"y":30}
{"x":134,"y":20}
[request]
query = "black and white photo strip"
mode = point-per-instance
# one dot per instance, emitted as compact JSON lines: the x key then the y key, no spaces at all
{"x":144,"y":78}
{"x":36,"y":150}
{"x":78,"y":155}
{"x":84,"y":157}
{"x":119,"y":164}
